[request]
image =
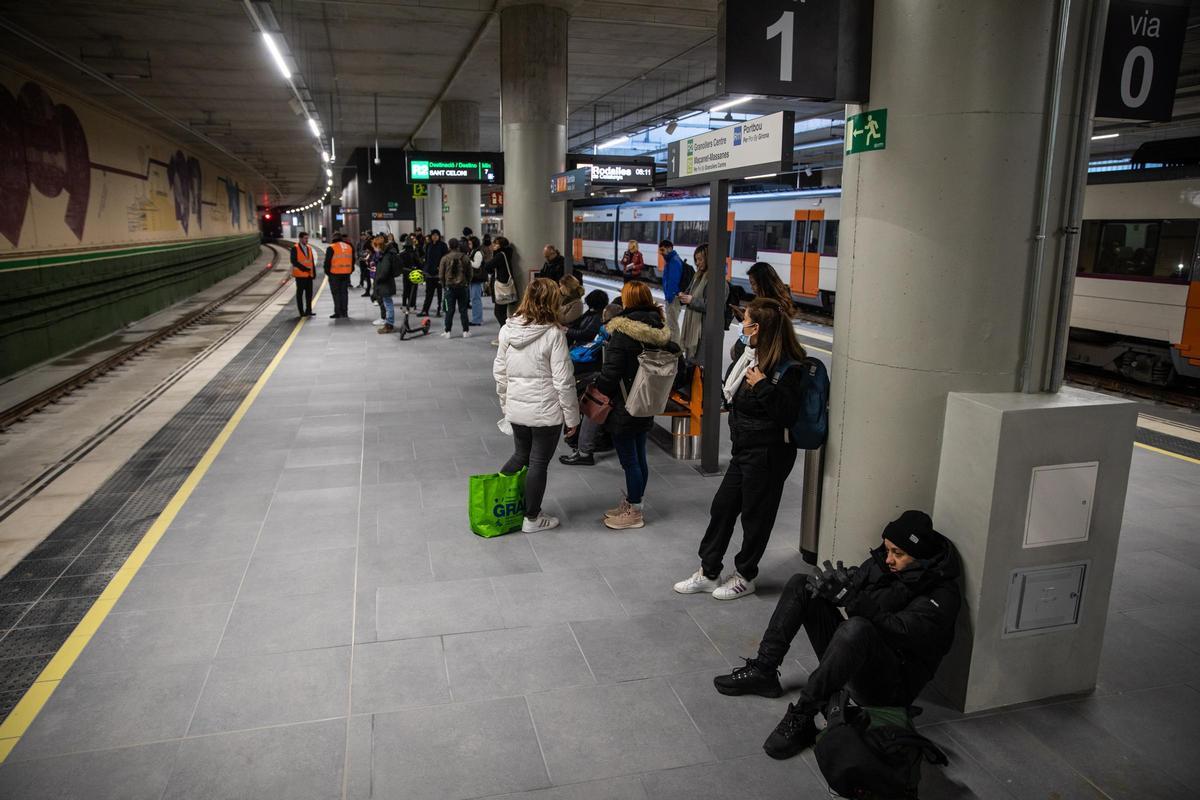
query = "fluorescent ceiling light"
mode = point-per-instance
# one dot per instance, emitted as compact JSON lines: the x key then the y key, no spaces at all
{"x":614,"y":142}
{"x":631,"y":189}
{"x":314,"y":127}
{"x":329,"y":172}
{"x":731,"y":104}
{"x":278,"y":56}
{"x":1105,"y":136}
{"x":324,"y":156}
{"x":756,"y":177}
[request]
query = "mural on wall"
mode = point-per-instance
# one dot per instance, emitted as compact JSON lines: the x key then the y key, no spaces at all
{"x":42,"y":146}
{"x":73,"y":176}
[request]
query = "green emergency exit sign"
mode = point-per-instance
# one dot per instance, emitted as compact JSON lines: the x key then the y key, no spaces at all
{"x":866,"y":131}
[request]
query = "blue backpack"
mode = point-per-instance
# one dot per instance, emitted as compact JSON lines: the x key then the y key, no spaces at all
{"x":812,"y":425}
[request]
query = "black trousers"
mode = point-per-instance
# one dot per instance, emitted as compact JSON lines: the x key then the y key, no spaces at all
{"x":432,"y":285}
{"x":752,"y":487}
{"x":501,"y":311}
{"x":409,"y":294}
{"x":457,"y":298}
{"x":534,"y":447}
{"x":852,"y":652}
{"x":304,"y":293}
{"x":364,"y":283}
{"x":339,"y":287}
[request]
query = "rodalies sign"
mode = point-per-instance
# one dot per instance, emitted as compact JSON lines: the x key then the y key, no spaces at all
{"x":1142,"y":48}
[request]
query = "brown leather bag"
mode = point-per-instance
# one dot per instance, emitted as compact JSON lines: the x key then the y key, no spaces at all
{"x":595,"y":405}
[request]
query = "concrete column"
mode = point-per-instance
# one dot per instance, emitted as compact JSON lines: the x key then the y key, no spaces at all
{"x":429,"y":215}
{"x":937,"y":241}
{"x":460,"y":131}
{"x":533,"y":109}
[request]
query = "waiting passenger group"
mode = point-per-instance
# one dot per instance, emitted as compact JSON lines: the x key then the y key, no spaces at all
{"x":879,"y":630}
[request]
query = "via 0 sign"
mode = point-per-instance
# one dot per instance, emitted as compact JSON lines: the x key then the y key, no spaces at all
{"x":815,"y":49}
{"x":1142,"y":48}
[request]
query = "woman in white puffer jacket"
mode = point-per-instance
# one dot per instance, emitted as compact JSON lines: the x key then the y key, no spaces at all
{"x":536,"y":384}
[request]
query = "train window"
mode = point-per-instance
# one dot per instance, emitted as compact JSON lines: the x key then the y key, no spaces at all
{"x":801,"y":235}
{"x":691,"y":232}
{"x":830,"y":246}
{"x":1127,"y":248}
{"x":1176,"y":249}
{"x":642,"y":231}
{"x":750,"y":236}
{"x":594,"y":231}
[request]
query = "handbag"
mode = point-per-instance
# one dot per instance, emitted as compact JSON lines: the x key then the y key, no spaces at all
{"x":595,"y":405}
{"x":497,"y":503}
{"x":505,"y":293}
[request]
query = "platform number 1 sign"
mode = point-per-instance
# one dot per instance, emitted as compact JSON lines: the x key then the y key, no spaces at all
{"x":1143,"y":44}
{"x":795,"y":48}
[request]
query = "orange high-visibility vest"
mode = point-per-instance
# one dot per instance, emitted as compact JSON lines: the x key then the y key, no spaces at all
{"x":307,"y":261}
{"x":342,"y":262}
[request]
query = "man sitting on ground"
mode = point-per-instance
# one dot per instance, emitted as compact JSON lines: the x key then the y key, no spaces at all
{"x":900,"y":608}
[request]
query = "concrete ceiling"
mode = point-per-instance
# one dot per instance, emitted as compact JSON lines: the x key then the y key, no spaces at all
{"x":631,"y":62}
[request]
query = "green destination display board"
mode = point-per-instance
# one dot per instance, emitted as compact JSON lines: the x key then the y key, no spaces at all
{"x":455,"y":167}
{"x":866,"y":131}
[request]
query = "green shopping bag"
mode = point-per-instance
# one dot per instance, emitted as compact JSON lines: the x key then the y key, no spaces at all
{"x":497,"y":503}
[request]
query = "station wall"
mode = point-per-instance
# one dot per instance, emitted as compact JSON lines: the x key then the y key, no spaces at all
{"x":102,"y":221}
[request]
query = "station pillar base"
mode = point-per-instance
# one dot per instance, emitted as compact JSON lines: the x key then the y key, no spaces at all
{"x":1031,"y":490}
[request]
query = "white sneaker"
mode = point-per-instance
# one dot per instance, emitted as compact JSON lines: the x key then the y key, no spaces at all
{"x":446,"y":335}
{"x":466,"y":334}
{"x":544,"y":522}
{"x":696,"y":584}
{"x":735,"y":586}
{"x":378,"y":322}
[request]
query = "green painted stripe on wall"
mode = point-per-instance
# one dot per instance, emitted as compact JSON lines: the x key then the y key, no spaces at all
{"x":56,"y":260}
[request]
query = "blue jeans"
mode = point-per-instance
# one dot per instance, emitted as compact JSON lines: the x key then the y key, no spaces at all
{"x":389,"y":309}
{"x":631,"y":450}
{"x":477,"y":304}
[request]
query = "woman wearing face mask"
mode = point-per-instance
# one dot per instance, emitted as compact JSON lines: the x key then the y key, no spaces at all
{"x":763,"y":404}
{"x":766,"y":283}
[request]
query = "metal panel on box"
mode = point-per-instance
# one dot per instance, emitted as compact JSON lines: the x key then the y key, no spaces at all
{"x":1044,"y":599}
{"x":1060,"y":503}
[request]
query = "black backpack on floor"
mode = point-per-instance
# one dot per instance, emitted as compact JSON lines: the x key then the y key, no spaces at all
{"x":869,"y":753}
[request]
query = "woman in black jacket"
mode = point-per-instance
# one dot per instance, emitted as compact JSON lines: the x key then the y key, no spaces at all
{"x":385,"y":282}
{"x":638,"y":327}
{"x":499,"y":269}
{"x":764,"y":397}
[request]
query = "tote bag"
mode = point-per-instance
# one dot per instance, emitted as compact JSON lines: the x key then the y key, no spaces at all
{"x":497,"y":503}
{"x":652,"y":384}
{"x":505,"y":293}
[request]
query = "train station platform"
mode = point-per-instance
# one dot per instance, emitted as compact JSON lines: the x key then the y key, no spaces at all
{"x":295,"y":607}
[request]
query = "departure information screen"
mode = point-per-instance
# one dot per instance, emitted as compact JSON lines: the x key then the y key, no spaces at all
{"x":451,"y":167}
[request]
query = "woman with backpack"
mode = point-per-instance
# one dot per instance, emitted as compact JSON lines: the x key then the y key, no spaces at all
{"x":763,"y":393}
{"x":639,"y":326}
{"x":536,"y":386}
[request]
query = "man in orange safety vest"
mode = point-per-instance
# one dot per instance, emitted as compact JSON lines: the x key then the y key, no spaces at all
{"x":339,"y":264}
{"x":304,"y":270}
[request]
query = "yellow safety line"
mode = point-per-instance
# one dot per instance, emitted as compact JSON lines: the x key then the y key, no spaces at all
{"x":35,"y":698}
{"x":1160,"y":451}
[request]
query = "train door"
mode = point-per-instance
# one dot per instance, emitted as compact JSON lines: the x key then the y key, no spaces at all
{"x":806,"y":253}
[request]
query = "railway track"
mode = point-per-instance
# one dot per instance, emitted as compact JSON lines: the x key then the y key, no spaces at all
{"x":54,"y":394}
{"x":1108,"y":382}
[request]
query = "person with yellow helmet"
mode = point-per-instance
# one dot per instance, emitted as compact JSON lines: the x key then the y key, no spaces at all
{"x":339,"y":264}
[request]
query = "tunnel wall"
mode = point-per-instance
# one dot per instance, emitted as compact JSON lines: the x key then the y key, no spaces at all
{"x":102,"y":221}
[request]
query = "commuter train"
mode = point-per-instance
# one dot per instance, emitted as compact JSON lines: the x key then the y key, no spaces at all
{"x":1136,"y":309}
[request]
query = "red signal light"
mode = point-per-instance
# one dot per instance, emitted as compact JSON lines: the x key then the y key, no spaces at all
{"x":267,"y":215}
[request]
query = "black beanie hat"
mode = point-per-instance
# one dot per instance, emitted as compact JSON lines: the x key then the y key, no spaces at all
{"x":913,"y":533}
{"x":596,"y":299}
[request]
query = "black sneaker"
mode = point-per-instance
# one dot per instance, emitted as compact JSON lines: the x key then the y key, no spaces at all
{"x":794,"y":732}
{"x":750,"y":679}
{"x":578,"y":459}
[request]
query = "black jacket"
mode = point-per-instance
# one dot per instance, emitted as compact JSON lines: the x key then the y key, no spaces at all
{"x":584,"y":329}
{"x":914,"y":609}
{"x":386,"y":270}
{"x":497,"y":266}
{"x":554,"y":268}
{"x":433,"y":257}
{"x":759,"y":415}
{"x":633,"y":330}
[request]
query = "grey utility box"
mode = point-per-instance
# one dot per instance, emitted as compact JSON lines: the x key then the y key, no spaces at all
{"x":1031,"y":489}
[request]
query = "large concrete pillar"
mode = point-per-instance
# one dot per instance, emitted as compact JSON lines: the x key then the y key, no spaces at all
{"x":460,"y":131}
{"x":533,"y":113}
{"x":938,"y":241}
{"x":429,"y":210}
